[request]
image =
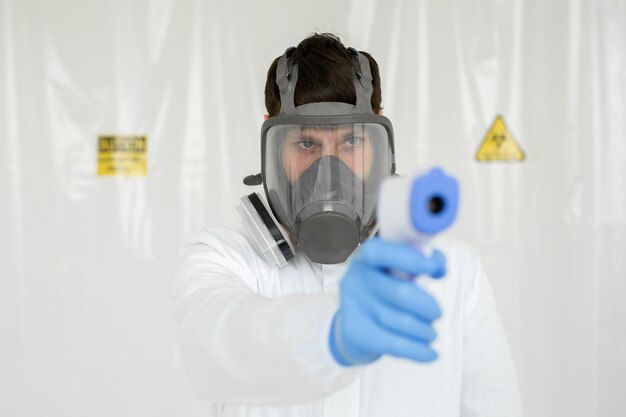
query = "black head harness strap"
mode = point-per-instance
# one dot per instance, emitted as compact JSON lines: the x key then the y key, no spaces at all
{"x":287,"y":77}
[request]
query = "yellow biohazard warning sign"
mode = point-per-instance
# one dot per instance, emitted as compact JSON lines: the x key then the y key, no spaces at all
{"x":122,"y":155}
{"x":499,"y":144}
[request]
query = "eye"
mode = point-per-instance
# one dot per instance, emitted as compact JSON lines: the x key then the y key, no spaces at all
{"x":306,"y":144}
{"x":352,"y":141}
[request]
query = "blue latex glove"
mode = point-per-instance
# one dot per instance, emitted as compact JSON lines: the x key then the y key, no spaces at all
{"x":381,"y":314}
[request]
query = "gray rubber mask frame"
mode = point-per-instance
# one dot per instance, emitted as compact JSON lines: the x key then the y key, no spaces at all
{"x":322,"y":181}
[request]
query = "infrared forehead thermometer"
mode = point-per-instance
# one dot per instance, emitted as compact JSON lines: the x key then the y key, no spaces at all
{"x":414,"y":209}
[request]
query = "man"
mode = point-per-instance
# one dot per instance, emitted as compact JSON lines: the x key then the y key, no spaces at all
{"x":290,"y":318}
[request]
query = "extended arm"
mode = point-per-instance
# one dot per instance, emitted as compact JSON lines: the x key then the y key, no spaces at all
{"x":236,"y":345}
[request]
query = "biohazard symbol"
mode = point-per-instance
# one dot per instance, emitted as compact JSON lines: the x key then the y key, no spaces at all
{"x":499,"y":144}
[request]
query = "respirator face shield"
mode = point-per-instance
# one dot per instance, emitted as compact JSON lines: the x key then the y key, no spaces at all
{"x":321,"y":176}
{"x":322,"y":166}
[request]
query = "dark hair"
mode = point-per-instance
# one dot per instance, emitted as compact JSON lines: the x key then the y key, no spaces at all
{"x":325,"y":73}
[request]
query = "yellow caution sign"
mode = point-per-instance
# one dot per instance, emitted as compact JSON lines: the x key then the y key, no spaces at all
{"x":122,"y":155}
{"x":499,"y":144}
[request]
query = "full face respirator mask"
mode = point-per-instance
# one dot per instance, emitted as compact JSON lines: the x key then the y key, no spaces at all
{"x":321,"y":168}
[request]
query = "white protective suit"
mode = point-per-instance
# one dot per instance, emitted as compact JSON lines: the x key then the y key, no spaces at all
{"x":254,"y":339}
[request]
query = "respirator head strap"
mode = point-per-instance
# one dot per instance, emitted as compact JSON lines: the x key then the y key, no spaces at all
{"x":363,"y":86}
{"x":286,"y":78}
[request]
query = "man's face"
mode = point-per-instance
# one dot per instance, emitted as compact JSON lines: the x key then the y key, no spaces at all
{"x":305,"y":145}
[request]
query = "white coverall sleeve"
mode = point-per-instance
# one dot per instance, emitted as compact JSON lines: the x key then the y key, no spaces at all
{"x":235,"y":345}
{"x":489,"y":384}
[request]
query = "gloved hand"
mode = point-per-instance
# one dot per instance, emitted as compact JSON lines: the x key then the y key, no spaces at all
{"x":381,"y":314}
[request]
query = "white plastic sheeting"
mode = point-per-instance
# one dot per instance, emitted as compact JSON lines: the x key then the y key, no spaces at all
{"x":85,"y":261}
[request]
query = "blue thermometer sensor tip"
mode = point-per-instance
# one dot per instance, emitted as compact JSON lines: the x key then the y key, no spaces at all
{"x":434,"y":201}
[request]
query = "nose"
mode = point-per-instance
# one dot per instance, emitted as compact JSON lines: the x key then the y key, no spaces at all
{"x":330,"y":147}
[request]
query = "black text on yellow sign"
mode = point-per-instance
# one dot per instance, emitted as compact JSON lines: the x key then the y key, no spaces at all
{"x":499,"y":144}
{"x":122,"y":155}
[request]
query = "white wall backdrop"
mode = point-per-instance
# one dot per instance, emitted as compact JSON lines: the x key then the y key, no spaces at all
{"x":85,"y":261}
